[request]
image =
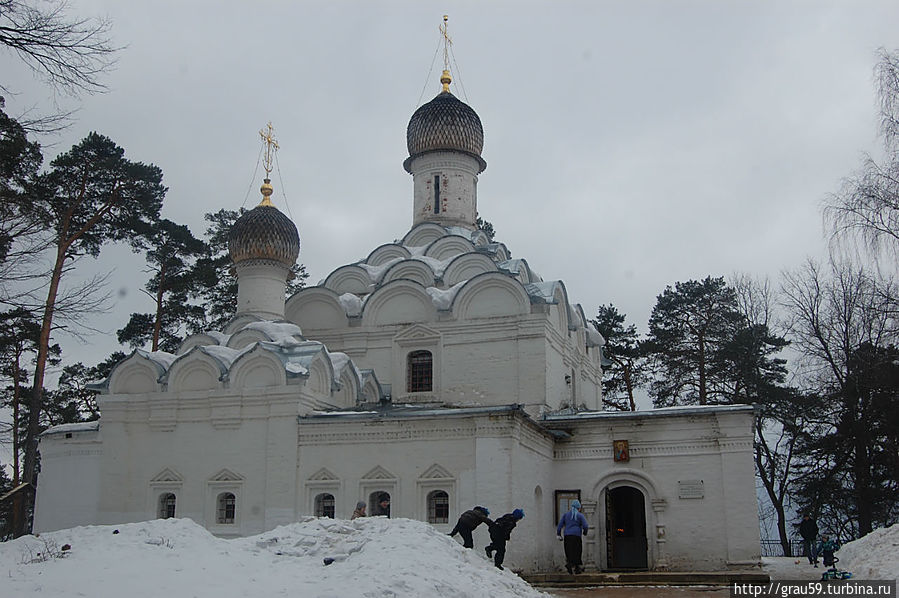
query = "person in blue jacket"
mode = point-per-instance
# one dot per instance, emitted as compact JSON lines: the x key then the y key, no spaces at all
{"x":573,"y":525}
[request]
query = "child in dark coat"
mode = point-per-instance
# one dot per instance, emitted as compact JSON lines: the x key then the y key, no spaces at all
{"x":826,"y":549}
{"x":500,"y":532}
{"x":468,"y":521}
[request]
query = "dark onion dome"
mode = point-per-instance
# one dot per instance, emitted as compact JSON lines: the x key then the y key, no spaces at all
{"x":445,"y":123}
{"x":264,"y":233}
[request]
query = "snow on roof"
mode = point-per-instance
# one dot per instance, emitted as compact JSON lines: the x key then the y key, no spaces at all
{"x":91,"y":426}
{"x":160,"y":358}
{"x":443,"y":299}
{"x":543,"y":291}
{"x":377,"y":272}
{"x":221,"y":337}
{"x":351,"y":304}
{"x":226,"y":355}
{"x":282,"y":333}
{"x":594,"y":338}
{"x":660,"y":412}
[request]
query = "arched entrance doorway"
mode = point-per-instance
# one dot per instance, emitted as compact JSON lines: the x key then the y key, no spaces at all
{"x":626,"y":545}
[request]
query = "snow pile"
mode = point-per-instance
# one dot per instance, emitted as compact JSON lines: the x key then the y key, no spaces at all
{"x":177,"y":558}
{"x":875,"y":556}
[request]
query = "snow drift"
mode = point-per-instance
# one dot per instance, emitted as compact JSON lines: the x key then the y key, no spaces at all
{"x":177,"y":558}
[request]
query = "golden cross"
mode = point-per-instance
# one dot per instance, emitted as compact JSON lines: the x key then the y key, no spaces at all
{"x":447,"y":42}
{"x":271,"y":146}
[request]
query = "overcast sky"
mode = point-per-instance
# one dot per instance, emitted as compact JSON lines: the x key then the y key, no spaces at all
{"x":629,"y":145}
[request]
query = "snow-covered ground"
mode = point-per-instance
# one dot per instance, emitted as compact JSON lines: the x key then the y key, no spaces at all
{"x":876,"y":556}
{"x":374,"y":557}
{"x":177,"y":558}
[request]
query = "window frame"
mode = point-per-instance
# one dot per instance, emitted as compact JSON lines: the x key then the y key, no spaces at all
{"x":163,"y":505}
{"x":566,"y":496}
{"x":417,"y":379}
{"x":321,"y":507}
{"x":432,"y":506}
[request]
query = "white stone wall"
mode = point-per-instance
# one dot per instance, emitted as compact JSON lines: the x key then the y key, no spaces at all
{"x":69,"y":481}
{"x":714,"y":532}
{"x":458,"y":188}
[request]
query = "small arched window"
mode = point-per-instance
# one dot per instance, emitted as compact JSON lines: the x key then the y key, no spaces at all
{"x":419,"y":371}
{"x":225,"y":508}
{"x":438,"y":507}
{"x":324,"y":505}
{"x":166,"y":505}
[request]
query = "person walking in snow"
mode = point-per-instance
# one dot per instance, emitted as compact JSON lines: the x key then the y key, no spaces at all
{"x":500,"y":532}
{"x":359,"y":510}
{"x":468,"y":521}
{"x":808,"y":529}
{"x":574,"y":525}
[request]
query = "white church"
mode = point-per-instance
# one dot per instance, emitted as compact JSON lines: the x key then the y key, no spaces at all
{"x":437,"y":372}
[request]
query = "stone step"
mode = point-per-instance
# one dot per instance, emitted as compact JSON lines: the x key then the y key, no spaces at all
{"x":645,"y":578}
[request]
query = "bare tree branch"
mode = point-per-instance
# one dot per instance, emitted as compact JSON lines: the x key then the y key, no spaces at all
{"x":70,"y":54}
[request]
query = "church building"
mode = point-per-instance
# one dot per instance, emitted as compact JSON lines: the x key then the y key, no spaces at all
{"x":439,"y":373}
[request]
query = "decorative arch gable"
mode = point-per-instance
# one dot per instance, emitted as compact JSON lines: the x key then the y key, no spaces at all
{"x":258,"y":368}
{"x":167,"y":476}
{"x":491,"y":295}
{"x":417,"y":334}
{"x":370,"y":392}
{"x":467,"y":266}
{"x":449,"y":246}
{"x":399,"y":302}
{"x":323,"y":475}
{"x":379,"y":473}
{"x":386,"y":253}
{"x":416,"y":270}
{"x":436,"y":472}
{"x":196,"y":370}
{"x":197,"y":340}
{"x":349,"y":279}
{"x":246,"y":337}
{"x":135,"y":375}
{"x":321,"y":375}
{"x":316,"y":308}
{"x":226,"y":475}
{"x":423,"y":234}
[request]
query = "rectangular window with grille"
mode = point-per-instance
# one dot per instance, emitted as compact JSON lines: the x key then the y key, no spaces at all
{"x":438,"y":507}
{"x":420,"y":372}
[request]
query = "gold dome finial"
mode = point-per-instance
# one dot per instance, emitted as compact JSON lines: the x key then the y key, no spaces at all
{"x":271,"y":146}
{"x":445,"y":78}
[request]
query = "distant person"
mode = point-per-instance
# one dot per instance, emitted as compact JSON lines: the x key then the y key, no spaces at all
{"x":500,"y":532}
{"x":467,"y":523}
{"x":574,"y":525}
{"x":384,"y":505}
{"x":359,"y":511}
{"x":826,"y":549}
{"x":808,"y":529}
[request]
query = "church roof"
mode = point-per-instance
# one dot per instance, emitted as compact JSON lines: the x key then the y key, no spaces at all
{"x":445,"y":123}
{"x":264,"y":233}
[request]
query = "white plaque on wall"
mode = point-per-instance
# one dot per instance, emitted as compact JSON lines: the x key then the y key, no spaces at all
{"x":690,"y":489}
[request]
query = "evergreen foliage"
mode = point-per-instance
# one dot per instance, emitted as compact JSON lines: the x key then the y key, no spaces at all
{"x":171,"y":259}
{"x":91,"y":196}
{"x":625,"y":368}
{"x":690,"y":330}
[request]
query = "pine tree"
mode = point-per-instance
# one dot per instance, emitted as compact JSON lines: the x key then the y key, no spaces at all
{"x":689,"y":329}
{"x":625,"y":369}
{"x":92,"y":195}
{"x":172,"y":255}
